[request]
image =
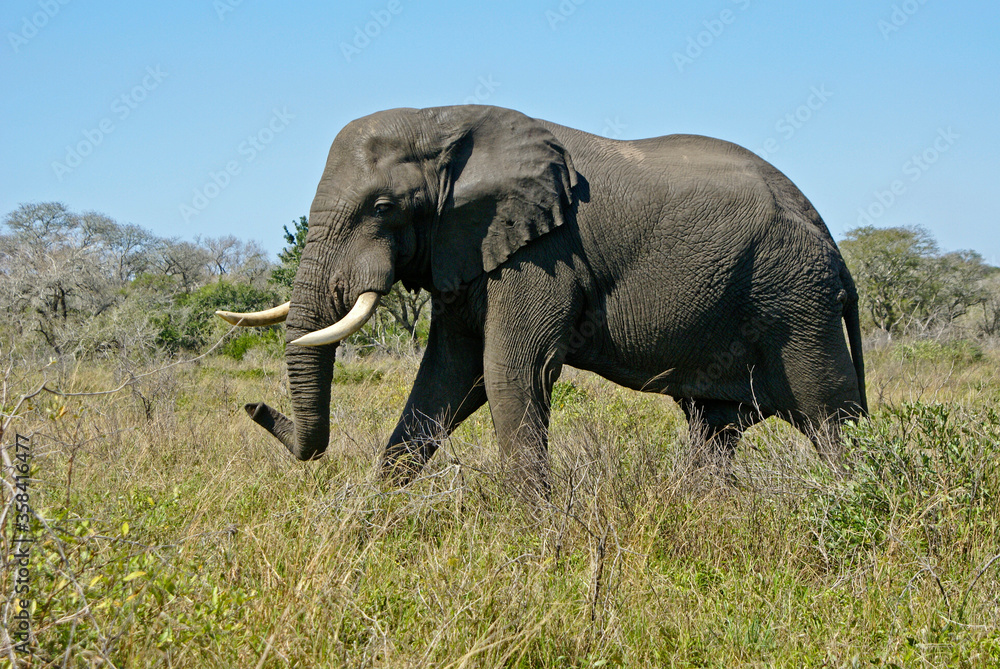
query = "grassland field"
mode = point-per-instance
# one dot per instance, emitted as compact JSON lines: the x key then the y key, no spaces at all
{"x":171,"y":531}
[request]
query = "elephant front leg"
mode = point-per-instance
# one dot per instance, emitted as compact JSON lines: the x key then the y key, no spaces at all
{"x":528,"y":332}
{"x":520,"y":395}
{"x":447,"y":390}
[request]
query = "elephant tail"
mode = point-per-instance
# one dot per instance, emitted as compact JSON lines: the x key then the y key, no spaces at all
{"x":852,"y":320}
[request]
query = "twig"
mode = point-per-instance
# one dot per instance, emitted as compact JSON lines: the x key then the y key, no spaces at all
{"x":132,"y":379}
{"x":968,"y":591}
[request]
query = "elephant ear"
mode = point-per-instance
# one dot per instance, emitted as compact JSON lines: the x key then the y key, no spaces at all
{"x":505,"y":180}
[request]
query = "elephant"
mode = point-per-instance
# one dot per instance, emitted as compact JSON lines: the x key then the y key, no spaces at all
{"x":681,"y":265}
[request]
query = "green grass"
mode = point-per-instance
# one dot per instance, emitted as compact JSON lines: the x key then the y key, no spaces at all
{"x":178,"y":533}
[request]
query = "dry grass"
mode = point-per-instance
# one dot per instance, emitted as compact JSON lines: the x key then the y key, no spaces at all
{"x":177,"y":533}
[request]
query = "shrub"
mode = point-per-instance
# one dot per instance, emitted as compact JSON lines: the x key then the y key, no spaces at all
{"x":957,"y":351}
{"x":270,"y":339}
{"x":192,"y":323}
{"x":353,"y":374}
{"x":567,"y":396}
{"x":913,"y":465}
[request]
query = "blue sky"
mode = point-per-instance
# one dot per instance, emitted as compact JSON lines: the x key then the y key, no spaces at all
{"x":215,"y":117}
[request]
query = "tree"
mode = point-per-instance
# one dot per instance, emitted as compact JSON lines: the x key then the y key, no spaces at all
{"x":131,"y":250}
{"x":954,"y":287}
{"x":185,"y":260}
{"x":229,"y":256}
{"x":88,"y":284}
{"x":191,"y":323}
{"x":53,"y":271}
{"x":291,"y":255}
{"x":990,"y":287}
{"x":41,"y":223}
{"x":906,"y":284}
{"x":406,"y":307}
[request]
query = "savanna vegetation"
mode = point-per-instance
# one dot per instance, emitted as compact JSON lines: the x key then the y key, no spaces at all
{"x":169,"y":530}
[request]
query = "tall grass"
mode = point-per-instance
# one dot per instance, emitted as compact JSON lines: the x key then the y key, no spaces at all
{"x":174,"y":532}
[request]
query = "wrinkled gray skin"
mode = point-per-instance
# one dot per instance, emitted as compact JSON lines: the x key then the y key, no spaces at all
{"x":680,"y":265}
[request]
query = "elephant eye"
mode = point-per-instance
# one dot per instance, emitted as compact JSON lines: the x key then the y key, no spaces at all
{"x":382,"y":208}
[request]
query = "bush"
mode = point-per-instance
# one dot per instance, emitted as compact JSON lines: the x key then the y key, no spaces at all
{"x":192,"y":323}
{"x":270,"y":339}
{"x":566,"y":396}
{"x":354,"y":374}
{"x":957,"y":351}
{"x":913,"y":466}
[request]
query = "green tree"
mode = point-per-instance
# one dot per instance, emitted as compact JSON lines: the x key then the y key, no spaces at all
{"x":291,"y":255}
{"x":955,"y":285}
{"x":906,"y":284}
{"x":887,"y":264}
{"x":191,"y":324}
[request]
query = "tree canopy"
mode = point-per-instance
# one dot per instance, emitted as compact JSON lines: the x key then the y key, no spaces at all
{"x":907,"y":285}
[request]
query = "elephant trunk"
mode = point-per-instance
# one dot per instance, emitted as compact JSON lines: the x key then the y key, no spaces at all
{"x":311,"y":344}
{"x":310,"y":373}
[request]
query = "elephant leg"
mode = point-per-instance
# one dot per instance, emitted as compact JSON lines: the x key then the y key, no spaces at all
{"x":447,"y":390}
{"x":520,"y":373}
{"x":716,"y":427}
{"x":529,"y":327}
{"x":520,"y":405}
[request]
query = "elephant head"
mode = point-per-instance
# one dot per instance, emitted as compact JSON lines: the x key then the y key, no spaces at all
{"x":433,"y":198}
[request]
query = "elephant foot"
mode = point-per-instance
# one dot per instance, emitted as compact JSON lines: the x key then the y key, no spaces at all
{"x":402,"y":463}
{"x":527,"y":474}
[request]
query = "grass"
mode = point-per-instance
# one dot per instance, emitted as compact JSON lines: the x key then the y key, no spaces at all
{"x":179,"y":534}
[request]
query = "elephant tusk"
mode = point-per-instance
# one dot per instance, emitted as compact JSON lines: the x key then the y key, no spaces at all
{"x":346,"y":326}
{"x":267,"y":317}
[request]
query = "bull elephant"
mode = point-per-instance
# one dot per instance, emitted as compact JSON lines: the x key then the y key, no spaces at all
{"x":681,"y":265}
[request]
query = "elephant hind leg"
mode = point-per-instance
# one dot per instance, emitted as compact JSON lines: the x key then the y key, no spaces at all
{"x":715,"y":427}
{"x":823,"y":428}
